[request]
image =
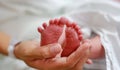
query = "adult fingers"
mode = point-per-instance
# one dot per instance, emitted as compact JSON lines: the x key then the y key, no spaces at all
{"x":46,"y":51}
{"x":89,"y":61}
{"x":78,"y":54}
{"x":83,"y":60}
{"x":62,"y":62}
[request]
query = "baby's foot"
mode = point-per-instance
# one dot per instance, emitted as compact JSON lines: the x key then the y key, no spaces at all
{"x":73,"y":38}
{"x":55,"y":31}
{"x":52,"y":32}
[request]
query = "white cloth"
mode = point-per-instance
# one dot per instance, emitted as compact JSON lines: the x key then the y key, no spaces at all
{"x":105,"y":26}
{"x":102,"y":18}
{"x":20,"y":18}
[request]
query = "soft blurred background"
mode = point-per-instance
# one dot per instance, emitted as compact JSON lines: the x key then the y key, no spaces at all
{"x":20,"y":18}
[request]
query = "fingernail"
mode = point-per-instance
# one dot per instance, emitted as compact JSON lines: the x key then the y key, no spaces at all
{"x":56,"y":48}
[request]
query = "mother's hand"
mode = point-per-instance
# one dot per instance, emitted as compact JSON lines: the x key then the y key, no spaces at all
{"x":73,"y":62}
{"x":31,"y":50}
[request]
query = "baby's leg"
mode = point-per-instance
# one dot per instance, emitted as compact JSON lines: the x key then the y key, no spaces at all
{"x":97,"y":50}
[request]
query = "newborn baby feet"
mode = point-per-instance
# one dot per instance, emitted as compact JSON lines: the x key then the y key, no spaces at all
{"x":61,"y":31}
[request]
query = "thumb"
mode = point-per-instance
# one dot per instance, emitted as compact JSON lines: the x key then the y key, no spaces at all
{"x":48,"y":51}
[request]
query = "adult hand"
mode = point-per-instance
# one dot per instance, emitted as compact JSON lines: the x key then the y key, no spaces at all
{"x":31,"y":50}
{"x":73,"y":62}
